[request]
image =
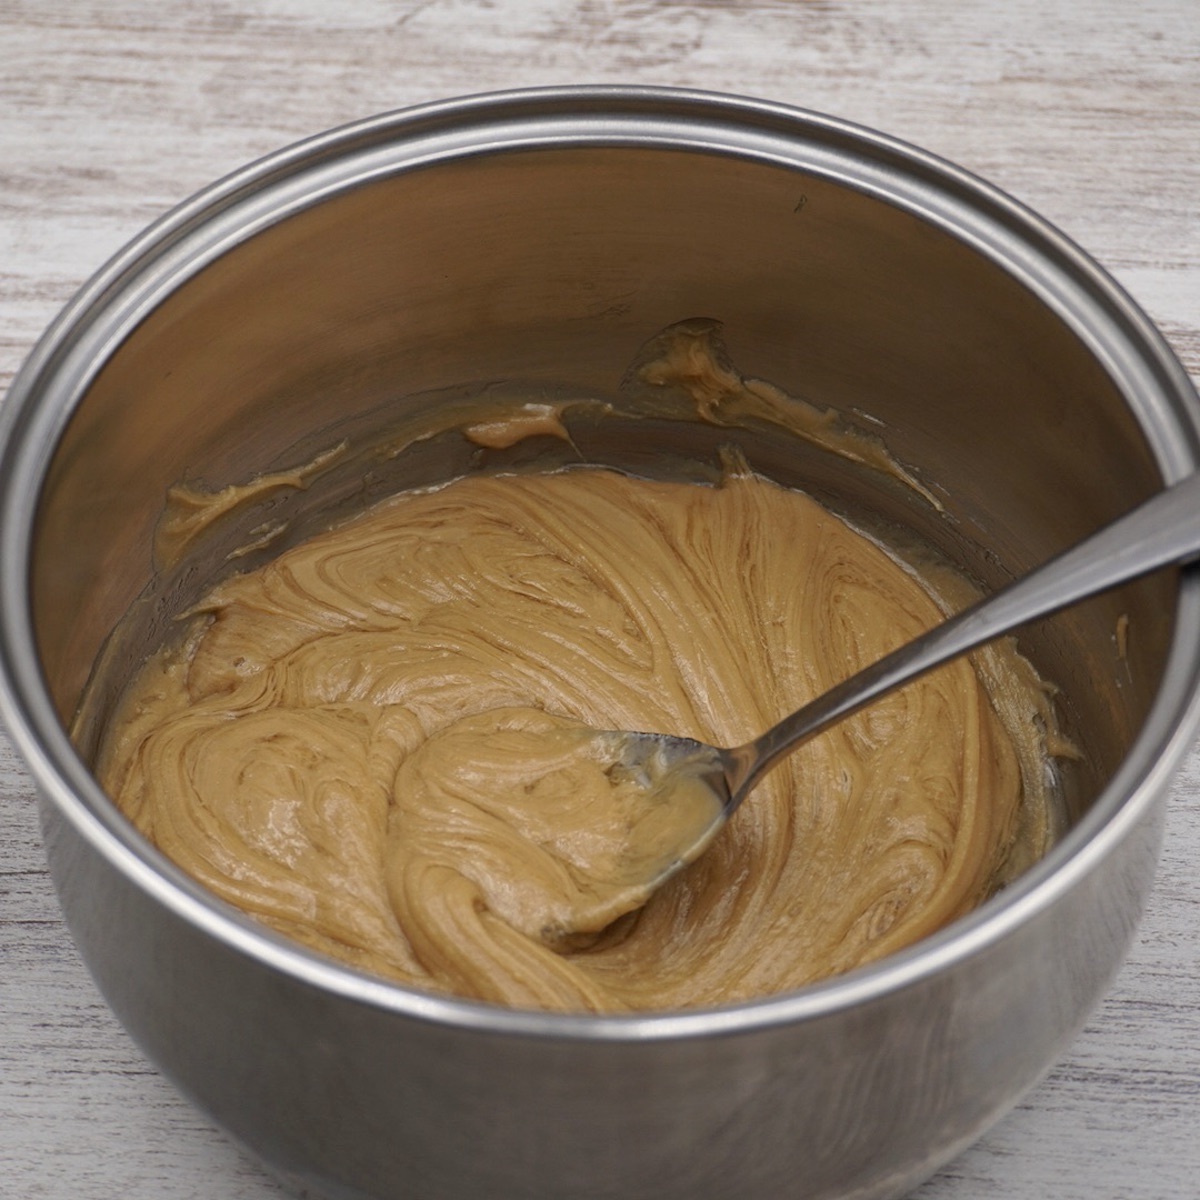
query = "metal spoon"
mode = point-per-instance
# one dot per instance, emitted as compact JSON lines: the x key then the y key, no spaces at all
{"x":1165,"y":530}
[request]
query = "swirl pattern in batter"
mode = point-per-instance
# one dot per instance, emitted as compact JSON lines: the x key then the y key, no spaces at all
{"x":293,"y":754}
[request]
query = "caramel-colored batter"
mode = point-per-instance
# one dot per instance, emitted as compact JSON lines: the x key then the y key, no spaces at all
{"x":342,"y":745}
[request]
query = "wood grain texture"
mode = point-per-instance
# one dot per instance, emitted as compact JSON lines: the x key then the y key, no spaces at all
{"x":113,"y":110}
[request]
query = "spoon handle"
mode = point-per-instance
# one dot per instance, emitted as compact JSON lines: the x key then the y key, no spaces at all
{"x":1162,"y":531}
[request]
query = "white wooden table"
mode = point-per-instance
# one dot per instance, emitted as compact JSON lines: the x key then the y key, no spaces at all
{"x":1089,"y":110}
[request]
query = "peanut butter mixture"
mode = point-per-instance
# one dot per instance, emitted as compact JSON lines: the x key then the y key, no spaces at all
{"x":343,"y":744}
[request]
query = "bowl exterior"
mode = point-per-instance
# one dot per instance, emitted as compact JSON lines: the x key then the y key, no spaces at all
{"x":353,"y":1100}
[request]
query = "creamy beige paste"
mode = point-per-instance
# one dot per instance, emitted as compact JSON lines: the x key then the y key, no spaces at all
{"x":311,"y":752}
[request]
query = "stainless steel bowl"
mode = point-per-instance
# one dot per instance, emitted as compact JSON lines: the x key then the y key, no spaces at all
{"x":537,"y":238}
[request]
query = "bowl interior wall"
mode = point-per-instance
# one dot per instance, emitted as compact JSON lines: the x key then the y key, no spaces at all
{"x":548,"y":269}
